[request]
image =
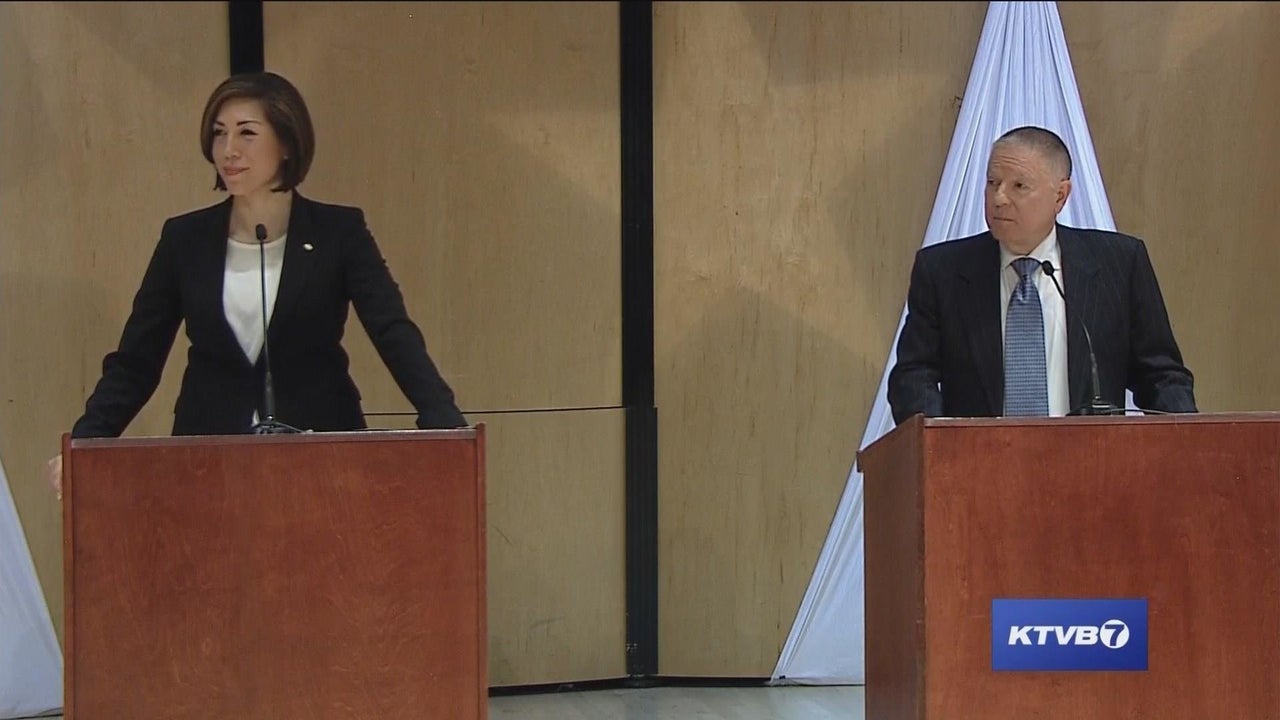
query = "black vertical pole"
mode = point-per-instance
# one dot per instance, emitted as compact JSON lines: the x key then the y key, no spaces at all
{"x":636,"y":45}
{"x":244,"y":22}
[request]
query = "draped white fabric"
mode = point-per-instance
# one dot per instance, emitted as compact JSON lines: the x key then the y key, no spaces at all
{"x":30,"y":658}
{"x":1021,"y":75}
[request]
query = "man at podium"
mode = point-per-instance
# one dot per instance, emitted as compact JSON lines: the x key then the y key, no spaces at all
{"x":1034,"y":318}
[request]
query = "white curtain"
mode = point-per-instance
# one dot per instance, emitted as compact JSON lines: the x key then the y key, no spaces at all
{"x":30,"y":658}
{"x":1021,"y":75}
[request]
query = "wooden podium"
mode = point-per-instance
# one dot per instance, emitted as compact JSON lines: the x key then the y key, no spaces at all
{"x":1183,"y":511}
{"x":276,"y":577}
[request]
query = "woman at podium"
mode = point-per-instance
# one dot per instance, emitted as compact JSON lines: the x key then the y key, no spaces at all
{"x":264,"y":281}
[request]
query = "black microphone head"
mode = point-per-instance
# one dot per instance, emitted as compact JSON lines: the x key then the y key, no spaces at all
{"x":260,"y":231}
{"x":1045,"y":265}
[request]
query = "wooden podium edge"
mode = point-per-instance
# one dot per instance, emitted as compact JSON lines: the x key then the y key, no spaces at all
{"x":482,"y":593}
{"x":247,"y":439}
{"x":68,"y":580}
{"x":894,"y":549}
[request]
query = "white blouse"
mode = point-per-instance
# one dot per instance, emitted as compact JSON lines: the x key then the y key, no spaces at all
{"x":242,"y":290}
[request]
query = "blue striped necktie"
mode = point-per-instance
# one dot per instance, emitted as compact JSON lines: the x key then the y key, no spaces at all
{"x":1026,"y":385}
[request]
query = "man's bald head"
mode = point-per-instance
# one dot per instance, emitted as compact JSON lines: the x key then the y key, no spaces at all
{"x":1044,"y":142}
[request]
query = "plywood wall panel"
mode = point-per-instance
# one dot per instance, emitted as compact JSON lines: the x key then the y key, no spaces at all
{"x":99,"y":142}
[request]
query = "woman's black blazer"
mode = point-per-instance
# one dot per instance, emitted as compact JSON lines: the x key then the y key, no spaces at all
{"x":330,"y":261}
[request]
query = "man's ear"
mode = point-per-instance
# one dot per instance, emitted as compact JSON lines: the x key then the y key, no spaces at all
{"x":1064,"y":192}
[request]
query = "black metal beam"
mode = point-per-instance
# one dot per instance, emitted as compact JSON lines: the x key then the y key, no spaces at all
{"x":636,"y":49}
{"x":244,"y":21}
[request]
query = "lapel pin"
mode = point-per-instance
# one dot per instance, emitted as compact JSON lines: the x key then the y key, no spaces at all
{"x":308,"y":247}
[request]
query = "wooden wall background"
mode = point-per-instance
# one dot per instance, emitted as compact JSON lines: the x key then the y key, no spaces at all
{"x":797,"y":153}
{"x":482,"y":140}
{"x":798,"y":149}
{"x":99,"y":142}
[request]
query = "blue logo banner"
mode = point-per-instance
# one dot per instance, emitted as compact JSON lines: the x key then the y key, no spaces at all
{"x":1068,"y":634}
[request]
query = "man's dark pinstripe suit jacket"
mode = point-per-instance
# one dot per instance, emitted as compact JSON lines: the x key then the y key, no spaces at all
{"x":950,"y":352}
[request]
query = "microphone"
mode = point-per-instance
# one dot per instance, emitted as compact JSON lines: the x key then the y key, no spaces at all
{"x":268,"y":425}
{"x":1096,"y":406}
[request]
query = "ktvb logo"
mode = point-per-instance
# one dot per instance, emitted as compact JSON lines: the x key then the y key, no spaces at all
{"x":1113,"y":634}
{"x":1068,"y":634}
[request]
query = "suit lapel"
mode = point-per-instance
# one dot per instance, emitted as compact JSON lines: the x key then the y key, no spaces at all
{"x":210,"y":278}
{"x":1079,"y":269}
{"x":296,"y":268}
{"x":980,"y":276}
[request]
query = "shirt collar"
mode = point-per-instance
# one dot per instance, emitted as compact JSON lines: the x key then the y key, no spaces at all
{"x":1046,"y":250}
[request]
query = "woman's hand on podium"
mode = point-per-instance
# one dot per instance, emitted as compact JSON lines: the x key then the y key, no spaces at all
{"x":54,"y":467}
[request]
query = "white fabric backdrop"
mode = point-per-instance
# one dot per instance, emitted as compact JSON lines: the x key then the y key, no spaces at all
{"x":1021,"y":75}
{"x":30,"y":658}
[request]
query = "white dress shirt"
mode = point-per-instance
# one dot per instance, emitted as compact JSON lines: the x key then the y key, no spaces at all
{"x":1055,"y":316}
{"x":242,"y":291}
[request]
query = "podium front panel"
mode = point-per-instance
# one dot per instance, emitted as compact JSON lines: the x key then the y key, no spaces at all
{"x":1180,"y":512}
{"x":308,"y":577}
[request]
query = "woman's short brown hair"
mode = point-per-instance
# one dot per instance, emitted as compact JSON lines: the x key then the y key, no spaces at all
{"x":286,"y":113}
